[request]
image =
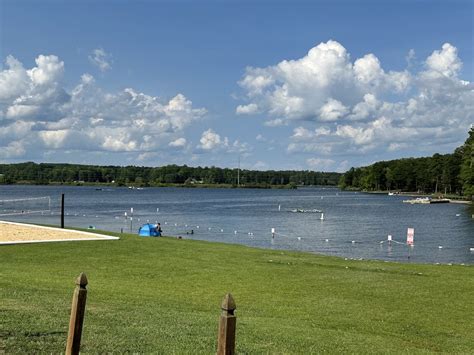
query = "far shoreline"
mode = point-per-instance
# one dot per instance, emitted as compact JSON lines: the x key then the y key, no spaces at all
{"x":451,"y":198}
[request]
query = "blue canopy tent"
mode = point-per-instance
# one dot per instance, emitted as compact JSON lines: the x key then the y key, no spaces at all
{"x":148,"y":230}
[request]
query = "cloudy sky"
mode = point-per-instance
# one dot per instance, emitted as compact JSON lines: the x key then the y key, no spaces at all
{"x":320,"y":85}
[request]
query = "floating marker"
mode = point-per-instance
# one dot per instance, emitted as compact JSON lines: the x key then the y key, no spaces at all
{"x":458,"y":214}
{"x":131,"y":210}
{"x":166,"y":222}
{"x":327,"y":240}
{"x":157,"y":210}
{"x":279,"y":207}
{"x":440,"y":247}
{"x":353,"y":242}
{"x":299,"y":238}
{"x":185,"y":225}
{"x":209,"y":228}
{"x":235,"y":232}
{"x":197,"y":227}
{"x":176,"y":224}
{"x":322,"y":217}
{"x":471,"y":249}
{"x":222,"y":230}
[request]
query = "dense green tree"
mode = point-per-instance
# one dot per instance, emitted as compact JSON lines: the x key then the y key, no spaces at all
{"x":146,"y":176}
{"x":467,"y":165}
{"x":449,"y":173}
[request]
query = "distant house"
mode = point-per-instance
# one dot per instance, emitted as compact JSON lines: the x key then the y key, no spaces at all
{"x":193,"y":181}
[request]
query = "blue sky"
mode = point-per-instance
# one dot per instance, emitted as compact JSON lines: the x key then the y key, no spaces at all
{"x":200,"y":83}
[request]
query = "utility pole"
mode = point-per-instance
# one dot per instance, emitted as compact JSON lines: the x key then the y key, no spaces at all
{"x":238,"y":173}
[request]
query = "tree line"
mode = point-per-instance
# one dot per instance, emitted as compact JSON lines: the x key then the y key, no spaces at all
{"x":448,"y":173}
{"x":49,"y":173}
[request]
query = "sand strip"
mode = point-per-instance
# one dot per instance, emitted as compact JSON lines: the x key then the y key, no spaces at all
{"x":17,"y":233}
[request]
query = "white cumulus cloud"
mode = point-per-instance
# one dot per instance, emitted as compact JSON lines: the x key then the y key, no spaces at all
{"x":38,"y":116}
{"x":369,"y":107}
{"x":178,"y":143}
{"x":211,"y":140}
{"x":101,"y":59}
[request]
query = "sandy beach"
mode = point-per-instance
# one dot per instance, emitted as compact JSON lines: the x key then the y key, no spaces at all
{"x":15,"y":233}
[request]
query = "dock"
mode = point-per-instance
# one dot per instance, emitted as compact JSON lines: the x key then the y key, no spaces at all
{"x":427,"y":200}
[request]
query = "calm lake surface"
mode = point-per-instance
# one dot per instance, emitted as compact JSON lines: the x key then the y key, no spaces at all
{"x":354,"y":224}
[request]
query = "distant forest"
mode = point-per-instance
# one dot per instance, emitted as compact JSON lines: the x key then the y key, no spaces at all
{"x":45,"y":173}
{"x":448,"y":173}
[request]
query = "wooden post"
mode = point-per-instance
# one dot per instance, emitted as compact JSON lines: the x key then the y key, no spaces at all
{"x":77,"y":316}
{"x":62,"y":210}
{"x":226,"y":340}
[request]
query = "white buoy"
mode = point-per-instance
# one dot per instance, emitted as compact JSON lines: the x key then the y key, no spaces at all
{"x":209,"y":228}
{"x":176,"y":224}
{"x":157,"y":210}
{"x":235,"y":232}
{"x":327,"y":240}
{"x":131,"y":210}
{"x":353,"y":242}
{"x":166,"y":222}
{"x":197,"y":227}
{"x":222,"y":230}
{"x":458,"y":214}
{"x":279,"y":207}
{"x":322,"y":217}
{"x":186,"y":225}
{"x":440,"y":247}
{"x":299,"y":238}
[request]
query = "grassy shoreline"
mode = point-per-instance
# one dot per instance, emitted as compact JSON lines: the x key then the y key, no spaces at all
{"x":163,"y":295}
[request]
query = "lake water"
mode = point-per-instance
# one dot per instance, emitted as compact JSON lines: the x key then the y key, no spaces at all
{"x":355,"y":225}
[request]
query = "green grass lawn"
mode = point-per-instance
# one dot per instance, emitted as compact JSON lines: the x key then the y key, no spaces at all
{"x":163,"y":295}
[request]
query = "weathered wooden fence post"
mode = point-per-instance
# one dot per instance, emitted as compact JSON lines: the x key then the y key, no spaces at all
{"x":77,"y":316}
{"x":226,"y":340}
